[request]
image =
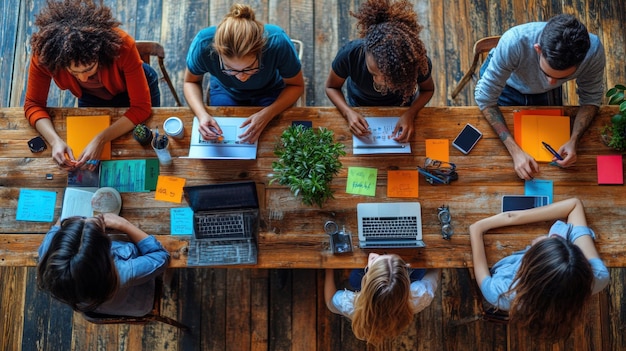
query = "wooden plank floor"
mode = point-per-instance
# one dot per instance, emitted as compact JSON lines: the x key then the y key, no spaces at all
{"x":238,"y":309}
{"x":245,"y":309}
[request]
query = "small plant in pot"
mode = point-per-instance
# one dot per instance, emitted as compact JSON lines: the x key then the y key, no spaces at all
{"x":308,"y":159}
{"x":142,"y":134}
{"x":614,"y":134}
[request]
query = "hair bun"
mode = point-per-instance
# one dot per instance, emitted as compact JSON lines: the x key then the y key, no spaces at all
{"x":242,"y":11}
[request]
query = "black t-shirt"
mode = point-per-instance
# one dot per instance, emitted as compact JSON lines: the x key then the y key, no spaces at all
{"x":350,"y":65}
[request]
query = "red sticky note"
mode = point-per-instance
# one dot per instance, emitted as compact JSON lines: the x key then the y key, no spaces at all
{"x":610,"y":169}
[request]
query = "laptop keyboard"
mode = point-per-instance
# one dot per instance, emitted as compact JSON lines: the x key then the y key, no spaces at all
{"x":209,"y":252}
{"x":220,"y":226}
{"x":390,"y":227}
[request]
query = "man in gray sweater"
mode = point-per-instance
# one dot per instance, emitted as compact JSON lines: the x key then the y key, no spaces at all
{"x":528,"y":68}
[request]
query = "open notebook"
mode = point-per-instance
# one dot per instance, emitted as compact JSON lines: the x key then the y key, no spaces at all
{"x":380,"y":141}
{"x":227,"y":147}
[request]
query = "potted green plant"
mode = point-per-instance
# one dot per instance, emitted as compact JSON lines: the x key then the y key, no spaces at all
{"x":614,"y":134}
{"x":142,"y":134}
{"x":308,"y":159}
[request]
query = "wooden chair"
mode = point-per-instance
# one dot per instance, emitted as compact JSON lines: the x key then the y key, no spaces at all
{"x":153,"y":316}
{"x":481,"y":48}
{"x":152,"y":48}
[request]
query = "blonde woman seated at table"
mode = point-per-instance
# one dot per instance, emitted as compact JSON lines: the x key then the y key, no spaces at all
{"x":387,"y":66}
{"x":250,"y":64}
{"x":386,"y":297}
{"x":545,"y":286}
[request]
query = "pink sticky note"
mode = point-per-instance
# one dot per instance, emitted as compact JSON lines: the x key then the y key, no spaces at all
{"x":610,"y":169}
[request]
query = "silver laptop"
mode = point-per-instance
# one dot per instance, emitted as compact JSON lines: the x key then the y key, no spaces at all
{"x":227,"y":147}
{"x":390,"y":225}
{"x":225,"y":224}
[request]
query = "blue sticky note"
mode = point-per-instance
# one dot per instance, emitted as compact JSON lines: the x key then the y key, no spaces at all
{"x":539,"y":187}
{"x":36,"y":205}
{"x":181,"y":221}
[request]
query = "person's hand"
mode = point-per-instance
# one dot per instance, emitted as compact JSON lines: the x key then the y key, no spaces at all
{"x":113,"y":221}
{"x":256,"y":124}
{"x":525,"y":166}
{"x":358,"y":124}
{"x":404,"y":129}
{"x":208,"y":127}
{"x":568,"y":152}
{"x":91,"y":154}
{"x":63,"y":156}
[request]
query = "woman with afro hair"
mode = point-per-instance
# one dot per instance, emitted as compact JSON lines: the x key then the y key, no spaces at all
{"x":80,"y":46}
{"x":387,"y":66}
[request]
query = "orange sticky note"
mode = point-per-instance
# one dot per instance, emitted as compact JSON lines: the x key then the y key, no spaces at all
{"x":402,"y":183}
{"x":169,"y":189}
{"x":82,"y":129}
{"x":517,"y":120}
{"x":554,"y":130}
{"x":438,"y":149}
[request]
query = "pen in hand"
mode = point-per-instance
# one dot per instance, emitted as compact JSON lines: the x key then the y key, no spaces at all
{"x":552,"y":151}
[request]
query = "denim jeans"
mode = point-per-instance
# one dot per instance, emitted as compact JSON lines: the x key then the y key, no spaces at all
{"x":512,"y":97}
{"x":219,"y":97}
{"x":123,"y":100}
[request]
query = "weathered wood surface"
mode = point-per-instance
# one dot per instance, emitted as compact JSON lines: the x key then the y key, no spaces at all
{"x":292,"y":234}
{"x":450,"y":30}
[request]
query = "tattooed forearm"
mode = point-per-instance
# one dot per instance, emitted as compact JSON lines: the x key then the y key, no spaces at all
{"x":496,"y":119}
{"x":584,"y":117}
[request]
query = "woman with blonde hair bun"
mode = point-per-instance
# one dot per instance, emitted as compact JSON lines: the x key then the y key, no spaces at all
{"x":250,"y":64}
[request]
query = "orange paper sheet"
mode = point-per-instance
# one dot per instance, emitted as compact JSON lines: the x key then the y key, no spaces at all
{"x":517,"y":120}
{"x":82,"y":129}
{"x":438,"y":149}
{"x":554,"y":130}
{"x":169,"y":189}
{"x":402,"y":183}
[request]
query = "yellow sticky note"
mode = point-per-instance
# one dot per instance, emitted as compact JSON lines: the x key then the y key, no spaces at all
{"x":82,"y":129}
{"x":169,"y":189}
{"x":402,"y":183}
{"x":438,"y":149}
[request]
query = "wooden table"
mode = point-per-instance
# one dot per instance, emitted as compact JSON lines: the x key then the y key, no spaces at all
{"x":292,"y":234}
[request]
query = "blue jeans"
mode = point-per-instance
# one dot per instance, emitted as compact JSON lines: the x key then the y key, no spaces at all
{"x":219,"y":97}
{"x":512,"y":97}
{"x":123,"y":100}
{"x":356,"y":275}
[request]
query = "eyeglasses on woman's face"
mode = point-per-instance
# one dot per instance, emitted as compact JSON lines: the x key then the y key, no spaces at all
{"x":250,"y":70}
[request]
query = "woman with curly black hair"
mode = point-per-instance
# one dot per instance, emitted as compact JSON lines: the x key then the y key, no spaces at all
{"x":80,"y":46}
{"x":387,"y":66}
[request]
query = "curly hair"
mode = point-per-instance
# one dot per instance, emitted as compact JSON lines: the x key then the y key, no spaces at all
{"x":564,"y":42}
{"x":551,"y":288}
{"x":391,"y":34}
{"x":78,"y":268}
{"x":239,"y":34}
{"x":382,"y":309}
{"x":75,"y":31}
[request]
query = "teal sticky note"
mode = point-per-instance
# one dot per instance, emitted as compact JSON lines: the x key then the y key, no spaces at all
{"x":539,"y":187}
{"x":36,"y":205}
{"x":362,"y":181}
{"x":181,"y":221}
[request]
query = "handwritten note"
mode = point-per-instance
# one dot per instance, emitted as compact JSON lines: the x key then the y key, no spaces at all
{"x":181,"y":221}
{"x":438,"y":149}
{"x":362,"y":181}
{"x":169,"y":189}
{"x":36,"y":205}
{"x":402,"y":183}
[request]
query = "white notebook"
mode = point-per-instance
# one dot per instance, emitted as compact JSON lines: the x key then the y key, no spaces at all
{"x":380,"y":141}
{"x":228,"y":147}
{"x":77,"y":202}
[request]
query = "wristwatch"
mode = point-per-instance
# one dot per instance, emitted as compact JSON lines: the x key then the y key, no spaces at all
{"x":445,"y":220}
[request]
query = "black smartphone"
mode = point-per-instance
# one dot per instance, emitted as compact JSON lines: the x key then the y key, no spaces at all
{"x":467,"y":139}
{"x":37,"y":144}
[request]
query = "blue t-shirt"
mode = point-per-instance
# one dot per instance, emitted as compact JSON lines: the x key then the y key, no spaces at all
{"x":137,"y":266}
{"x":278,"y":60}
{"x":503,"y":272}
{"x":349,"y":64}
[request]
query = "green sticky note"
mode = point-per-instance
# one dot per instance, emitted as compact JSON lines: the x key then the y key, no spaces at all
{"x":362,"y":181}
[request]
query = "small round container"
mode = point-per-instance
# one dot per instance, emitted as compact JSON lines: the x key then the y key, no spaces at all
{"x":173,"y":127}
